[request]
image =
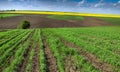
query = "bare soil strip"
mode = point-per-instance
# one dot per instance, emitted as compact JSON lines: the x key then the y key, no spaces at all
{"x":40,"y":21}
{"x":96,"y":62}
{"x":93,"y":21}
{"x":36,"y":61}
{"x":50,"y":59}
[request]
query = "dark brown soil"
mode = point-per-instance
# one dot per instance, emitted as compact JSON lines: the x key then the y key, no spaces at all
{"x":40,"y":21}
{"x":94,"y":60}
{"x":36,"y":61}
{"x":50,"y":59}
{"x":92,"y":21}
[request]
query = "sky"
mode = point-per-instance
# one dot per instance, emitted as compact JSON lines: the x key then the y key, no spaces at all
{"x":84,"y":6}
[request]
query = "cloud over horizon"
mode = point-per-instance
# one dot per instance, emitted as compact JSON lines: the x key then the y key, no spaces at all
{"x":87,"y":6}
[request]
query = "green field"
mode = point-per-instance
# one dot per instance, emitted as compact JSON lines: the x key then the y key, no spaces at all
{"x":65,"y":17}
{"x":8,"y":15}
{"x":83,"y":49}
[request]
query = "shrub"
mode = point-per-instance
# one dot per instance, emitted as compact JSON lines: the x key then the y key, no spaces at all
{"x":24,"y":25}
{"x":1,"y":17}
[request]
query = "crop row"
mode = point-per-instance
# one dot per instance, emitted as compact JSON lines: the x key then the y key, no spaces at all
{"x":62,"y":53}
{"x":104,"y":51}
{"x":13,"y":52}
{"x":25,"y":46}
{"x":7,"y":50}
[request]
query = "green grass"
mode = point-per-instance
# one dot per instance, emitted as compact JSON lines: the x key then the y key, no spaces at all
{"x":65,"y":17}
{"x":115,"y":21}
{"x":8,"y":15}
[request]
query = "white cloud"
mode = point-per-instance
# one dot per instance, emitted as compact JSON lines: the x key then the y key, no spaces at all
{"x":81,"y":2}
{"x":116,"y":4}
{"x":100,"y":3}
{"x":119,"y":1}
{"x":82,"y":6}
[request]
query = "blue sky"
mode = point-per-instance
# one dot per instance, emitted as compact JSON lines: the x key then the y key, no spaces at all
{"x":86,"y":6}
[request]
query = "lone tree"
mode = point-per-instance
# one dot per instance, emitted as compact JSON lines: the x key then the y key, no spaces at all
{"x":1,"y":17}
{"x":24,"y":25}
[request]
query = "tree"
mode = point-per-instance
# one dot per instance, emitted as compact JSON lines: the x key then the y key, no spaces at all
{"x":1,"y":17}
{"x":24,"y":25}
